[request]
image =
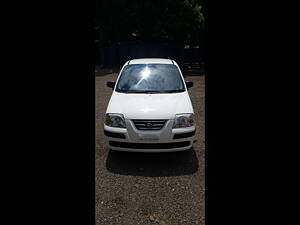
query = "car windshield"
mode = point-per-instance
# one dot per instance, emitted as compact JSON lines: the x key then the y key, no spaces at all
{"x":150,"y":78}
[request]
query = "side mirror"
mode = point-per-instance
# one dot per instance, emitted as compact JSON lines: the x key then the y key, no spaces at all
{"x":189,"y":84}
{"x":111,"y":84}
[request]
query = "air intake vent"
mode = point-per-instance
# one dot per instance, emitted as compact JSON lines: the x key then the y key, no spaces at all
{"x":149,"y":124}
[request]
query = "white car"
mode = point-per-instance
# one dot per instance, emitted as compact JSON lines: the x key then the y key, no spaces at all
{"x":150,"y":109}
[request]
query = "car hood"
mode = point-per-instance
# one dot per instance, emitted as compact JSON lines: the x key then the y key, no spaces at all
{"x":150,"y":106}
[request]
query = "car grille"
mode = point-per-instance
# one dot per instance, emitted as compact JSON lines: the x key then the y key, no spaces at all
{"x":149,"y":124}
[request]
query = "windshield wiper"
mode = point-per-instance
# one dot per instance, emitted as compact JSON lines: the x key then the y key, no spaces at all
{"x":172,"y":91}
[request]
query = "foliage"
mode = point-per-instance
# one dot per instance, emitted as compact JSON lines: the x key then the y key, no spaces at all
{"x":149,"y":20}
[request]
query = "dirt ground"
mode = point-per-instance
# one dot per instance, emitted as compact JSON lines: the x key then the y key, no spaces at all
{"x":149,"y":188}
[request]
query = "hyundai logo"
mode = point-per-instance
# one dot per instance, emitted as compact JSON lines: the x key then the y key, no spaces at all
{"x":149,"y":125}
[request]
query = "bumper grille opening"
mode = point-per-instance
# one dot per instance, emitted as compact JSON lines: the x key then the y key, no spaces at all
{"x":184,"y":135}
{"x":114,"y":135}
{"x":149,"y":145}
{"x":149,"y":124}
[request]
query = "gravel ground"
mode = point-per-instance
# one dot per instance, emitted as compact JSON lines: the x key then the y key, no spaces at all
{"x":153,"y":188}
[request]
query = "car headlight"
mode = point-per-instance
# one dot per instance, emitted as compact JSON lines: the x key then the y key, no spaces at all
{"x":184,"y":120}
{"x":115,"y":120}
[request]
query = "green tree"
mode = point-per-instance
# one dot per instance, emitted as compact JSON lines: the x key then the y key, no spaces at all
{"x":150,"y":20}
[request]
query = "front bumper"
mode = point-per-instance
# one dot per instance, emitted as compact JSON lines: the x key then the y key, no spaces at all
{"x":163,"y":140}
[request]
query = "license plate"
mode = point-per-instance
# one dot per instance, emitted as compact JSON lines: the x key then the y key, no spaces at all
{"x":148,"y":137}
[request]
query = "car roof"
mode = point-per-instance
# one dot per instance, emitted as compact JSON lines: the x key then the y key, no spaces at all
{"x":150,"y":61}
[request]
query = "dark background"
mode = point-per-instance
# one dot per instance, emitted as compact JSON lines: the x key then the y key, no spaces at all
{"x":126,"y":30}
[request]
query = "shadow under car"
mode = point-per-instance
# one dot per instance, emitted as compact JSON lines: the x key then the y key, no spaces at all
{"x":162,"y":164}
